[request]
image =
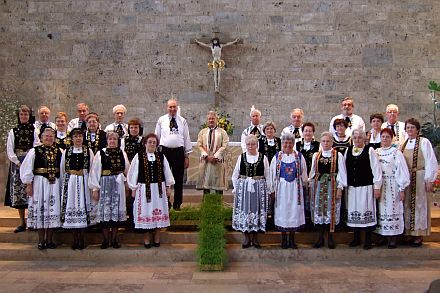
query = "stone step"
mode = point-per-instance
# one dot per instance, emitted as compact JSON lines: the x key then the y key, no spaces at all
{"x":187,"y":252}
{"x":178,"y":237}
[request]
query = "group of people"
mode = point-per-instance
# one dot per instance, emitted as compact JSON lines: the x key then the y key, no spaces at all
{"x":75,"y":174}
{"x":377,"y":181}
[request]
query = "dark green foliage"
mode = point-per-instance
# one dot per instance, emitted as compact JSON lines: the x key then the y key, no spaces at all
{"x":211,"y":252}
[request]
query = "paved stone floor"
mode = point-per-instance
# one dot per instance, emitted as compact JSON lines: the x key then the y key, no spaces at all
{"x":325,"y":276}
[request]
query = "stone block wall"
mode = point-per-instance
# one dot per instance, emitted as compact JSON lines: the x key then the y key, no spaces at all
{"x":293,"y":53}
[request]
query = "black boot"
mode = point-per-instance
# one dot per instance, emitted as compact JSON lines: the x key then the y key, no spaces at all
{"x":331,"y":243}
{"x":357,"y":238}
{"x":320,"y":241}
{"x":292,"y":243}
{"x":367,"y":243}
{"x":284,"y":244}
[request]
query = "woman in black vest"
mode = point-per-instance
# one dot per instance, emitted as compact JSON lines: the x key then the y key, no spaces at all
{"x":75,"y":201}
{"x":40,"y":172}
{"x":250,"y":193}
{"x":364,"y":180}
{"x":94,"y":138}
{"x":150,"y":178}
{"x":20,"y":140}
{"x":107,"y":182}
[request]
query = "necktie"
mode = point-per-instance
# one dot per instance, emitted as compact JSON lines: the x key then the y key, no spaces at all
{"x":119,"y":130}
{"x":83,"y":126}
{"x":211,"y":139}
{"x":392,"y":129}
{"x":348,"y":121}
{"x":255,"y":132}
{"x":173,"y":124}
{"x":43,"y":126}
{"x":296,"y":132}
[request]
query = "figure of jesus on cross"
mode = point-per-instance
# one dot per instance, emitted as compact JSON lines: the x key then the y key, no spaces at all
{"x":217,"y":63}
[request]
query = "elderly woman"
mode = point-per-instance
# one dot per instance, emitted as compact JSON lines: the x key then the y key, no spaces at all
{"x":328,"y":177}
{"x":341,"y":141}
{"x":107,"y":182}
{"x":40,"y":172}
{"x":420,"y":159}
{"x":250,"y":193}
{"x":20,"y":140}
{"x":62,"y":139}
{"x":94,"y":137}
{"x":307,"y":146}
{"x":395,"y":178}
{"x":150,"y":178}
{"x":373,"y":135}
{"x":75,"y":198}
{"x":364,"y":179}
{"x":288,"y":175}
{"x":268,"y":143}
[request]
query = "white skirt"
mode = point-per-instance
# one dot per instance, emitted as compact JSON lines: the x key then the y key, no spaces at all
{"x":361,"y":206}
{"x":153,"y":214}
{"x":390,"y":221}
{"x":75,"y":201}
{"x":288,"y":213}
{"x":44,"y":205}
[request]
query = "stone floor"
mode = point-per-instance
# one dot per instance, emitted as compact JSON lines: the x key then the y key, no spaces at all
{"x":325,"y":276}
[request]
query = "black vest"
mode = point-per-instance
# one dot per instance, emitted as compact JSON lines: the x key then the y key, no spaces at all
{"x":153,"y":168}
{"x":24,"y":136}
{"x":324,"y":164}
{"x":266,"y":149}
{"x":62,"y":143}
{"x":41,"y":161}
{"x":252,"y":170}
{"x":358,"y":168}
{"x":97,"y":145}
{"x":308,"y":154}
{"x":341,"y":146}
{"x":133,"y":145}
{"x":112,"y":160}
{"x":77,"y":161}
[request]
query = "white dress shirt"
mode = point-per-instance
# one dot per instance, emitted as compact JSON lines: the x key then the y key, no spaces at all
{"x":173,"y":138}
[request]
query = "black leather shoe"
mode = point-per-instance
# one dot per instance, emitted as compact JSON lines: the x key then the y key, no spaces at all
{"x":156,"y":244}
{"x":41,"y":245}
{"x":284,"y":244}
{"x":51,"y":245}
{"x":75,"y":246}
{"x":392,"y":246}
{"x":104,"y":245}
{"x":293,"y":245}
{"x":246,"y":245}
{"x":20,"y":229}
{"x":319,"y":243}
{"x":147,"y":245}
{"x":417,"y":244}
{"x":115,"y":244}
{"x":257,"y":245}
{"x":354,"y":243}
{"x":81,"y":245}
{"x":331,"y":243}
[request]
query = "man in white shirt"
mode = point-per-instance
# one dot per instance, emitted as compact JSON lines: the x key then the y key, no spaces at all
{"x":354,"y":121}
{"x":43,"y":120}
{"x":175,"y":142}
{"x":297,"y":116}
{"x":255,"y":128}
{"x":79,"y":122}
{"x":118,"y":126}
{"x":397,"y":127}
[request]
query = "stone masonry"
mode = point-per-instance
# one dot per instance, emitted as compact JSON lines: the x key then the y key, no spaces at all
{"x":293,"y":53}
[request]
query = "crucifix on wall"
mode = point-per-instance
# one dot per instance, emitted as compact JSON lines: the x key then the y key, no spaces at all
{"x":217,"y":64}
